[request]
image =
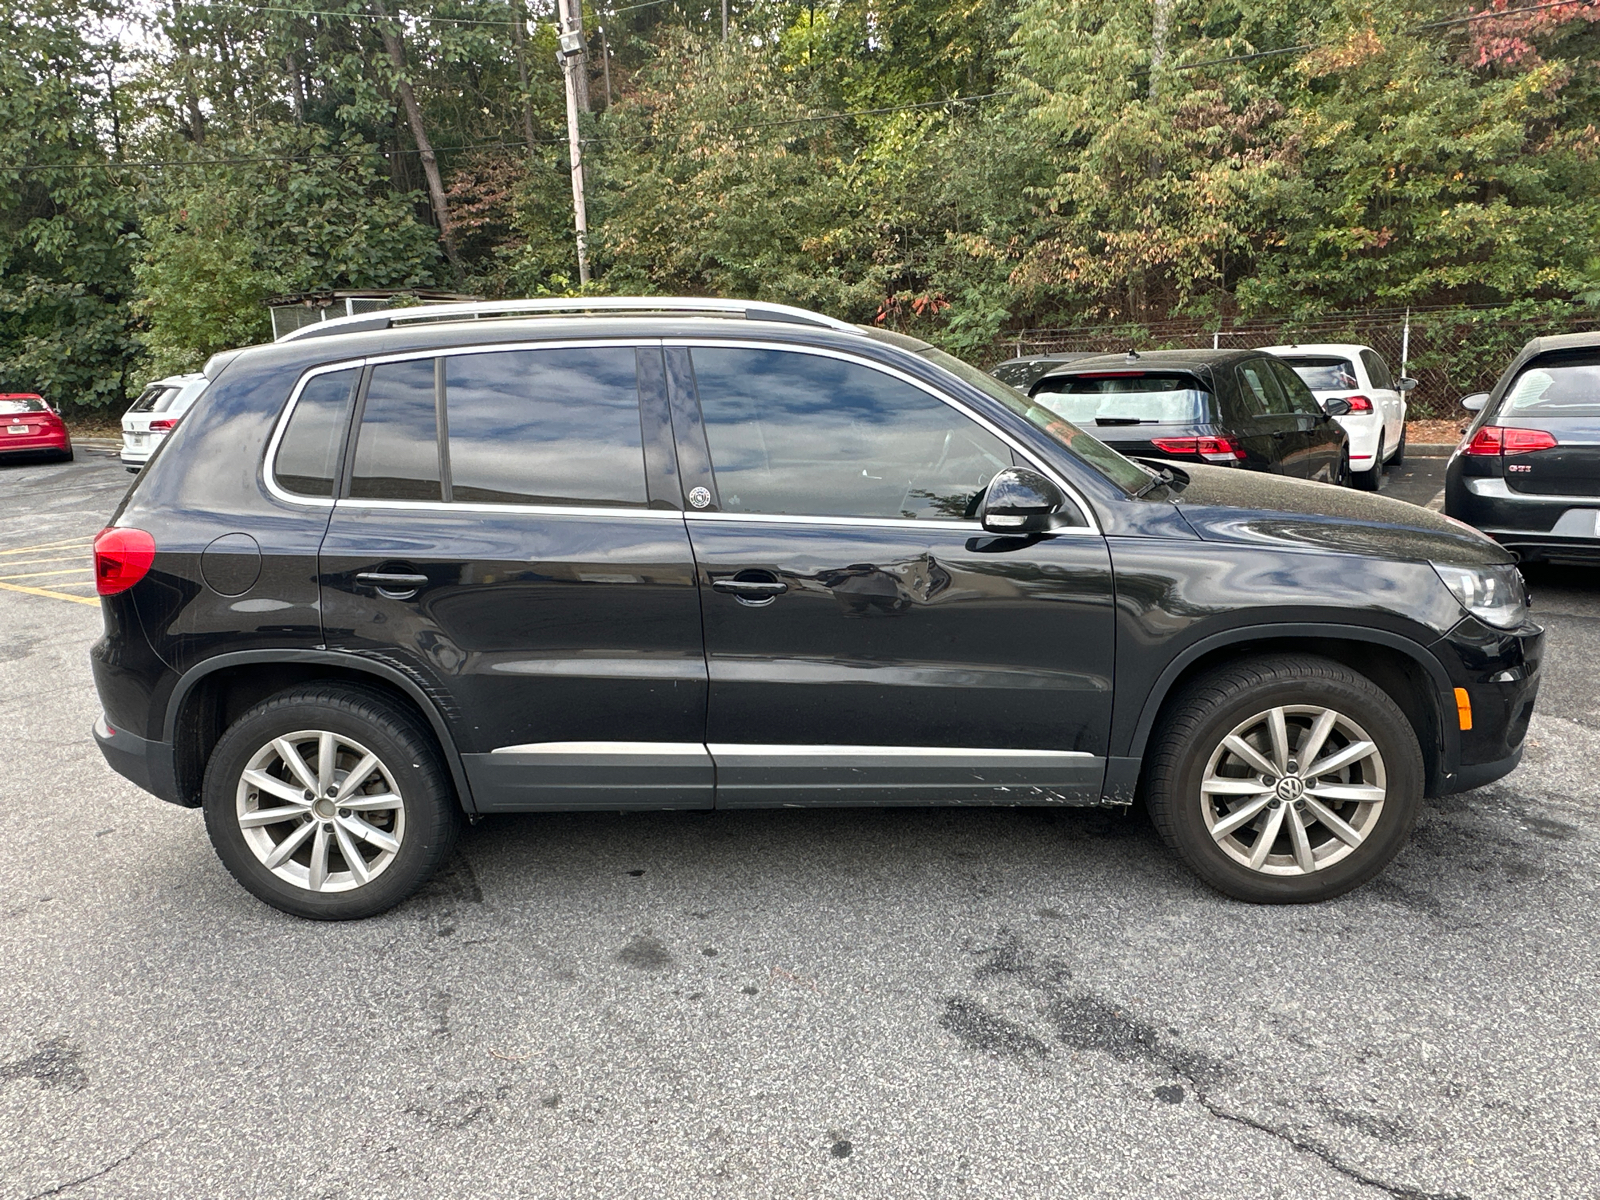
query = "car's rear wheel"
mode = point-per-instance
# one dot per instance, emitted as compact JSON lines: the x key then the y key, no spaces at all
{"x":1285,"y":779}
{"x":1399,"y":459}
{"x":1369,"y":479}
{"x":329,"y":802}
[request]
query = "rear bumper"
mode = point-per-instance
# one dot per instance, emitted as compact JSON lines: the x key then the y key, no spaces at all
{"x":11,"y":444}
{"x":146,"y":763}
{"x":1535,"y":526}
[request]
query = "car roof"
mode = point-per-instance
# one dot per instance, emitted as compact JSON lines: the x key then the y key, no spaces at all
{"x":1172,"y":360}
{"x":1562,"y":341}
{"x":1341,"y":349}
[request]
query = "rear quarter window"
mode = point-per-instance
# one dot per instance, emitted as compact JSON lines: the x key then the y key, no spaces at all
{"x":308,"y":453}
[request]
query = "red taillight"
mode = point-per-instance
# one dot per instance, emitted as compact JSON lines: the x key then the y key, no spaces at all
{"x":164,"y":425}
{"x":1496,"y":439}
{"x":121,"y":559}
{"x":1358,"y":404}
{"x":1212,"y":449}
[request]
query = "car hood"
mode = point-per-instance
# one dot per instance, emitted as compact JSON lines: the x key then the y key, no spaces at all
{"x":1224,"y":505}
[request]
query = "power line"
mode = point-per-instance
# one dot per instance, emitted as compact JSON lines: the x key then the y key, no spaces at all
{"x":139,"y":164}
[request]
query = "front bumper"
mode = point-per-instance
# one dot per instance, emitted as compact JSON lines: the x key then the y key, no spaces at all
{"x":1499,"y":670}
{"x":146,"y":763}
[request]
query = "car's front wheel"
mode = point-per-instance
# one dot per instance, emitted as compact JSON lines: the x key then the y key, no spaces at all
{"x":329,"y":802}
{"x":1285,"y":779}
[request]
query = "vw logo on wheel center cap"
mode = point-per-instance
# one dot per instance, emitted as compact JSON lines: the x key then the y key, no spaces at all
{"x":1291,"y":788}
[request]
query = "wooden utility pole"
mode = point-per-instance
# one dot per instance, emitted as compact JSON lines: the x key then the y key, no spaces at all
{"x":724,"y":20}
{"x":574,"y":67}
{"x":408,"y":99}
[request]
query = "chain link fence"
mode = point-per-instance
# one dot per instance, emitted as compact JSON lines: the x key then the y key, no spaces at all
{"x":1449,"y":351}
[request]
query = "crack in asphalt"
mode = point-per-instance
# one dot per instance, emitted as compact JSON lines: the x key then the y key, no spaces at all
{"x":1085,"y":1021}
{"x":92,"y":1176}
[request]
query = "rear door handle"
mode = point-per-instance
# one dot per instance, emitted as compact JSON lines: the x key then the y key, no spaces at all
{"x":393,"y":585}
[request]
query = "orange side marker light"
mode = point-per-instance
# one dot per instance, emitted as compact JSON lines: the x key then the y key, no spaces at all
{"x":1463,"y":708}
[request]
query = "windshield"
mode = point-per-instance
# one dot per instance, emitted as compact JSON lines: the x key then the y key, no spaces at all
{"x":1123,"y":472}
{"x":21,"y":404}
{"x":1323,"y":374}
{"x":1124,"y":398}
{"x":1555,"y":389}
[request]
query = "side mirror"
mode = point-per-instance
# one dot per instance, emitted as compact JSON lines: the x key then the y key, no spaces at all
{"x":1019,"y":500}
{"x":1337,"y":407}
{"x":1404,"y":384}
{"x":1475,"y":401}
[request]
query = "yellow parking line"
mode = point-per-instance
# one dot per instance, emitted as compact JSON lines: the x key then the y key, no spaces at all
{"x":48,"y":546}
{"x":43,"y":562}
{"x":33,"y":591}
{"x":43,"y":574}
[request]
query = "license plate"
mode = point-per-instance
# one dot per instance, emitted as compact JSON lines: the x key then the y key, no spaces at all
{"x":137,"y":439}
{"x":17,"y":429}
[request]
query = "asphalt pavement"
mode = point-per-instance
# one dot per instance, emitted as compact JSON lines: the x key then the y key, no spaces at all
{"x":904,"y":1003}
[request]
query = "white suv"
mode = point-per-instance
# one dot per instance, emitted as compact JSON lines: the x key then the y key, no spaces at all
{"x":1376,"y":422}
{"x":153,"y":415}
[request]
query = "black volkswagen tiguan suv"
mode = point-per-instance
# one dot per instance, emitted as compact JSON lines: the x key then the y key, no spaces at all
{"x":406,"y":569}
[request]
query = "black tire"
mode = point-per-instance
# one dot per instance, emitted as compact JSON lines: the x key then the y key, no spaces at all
{"x":406,"y":750}
{"x":1368,"y":480}
{"x":1209,"y":709}
{"x":1343,"y":477}
{"x":1399,"y":459}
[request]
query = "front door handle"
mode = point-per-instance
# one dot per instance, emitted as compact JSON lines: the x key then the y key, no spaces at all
{"x":753,"y":588}
{"x":391,"y":584}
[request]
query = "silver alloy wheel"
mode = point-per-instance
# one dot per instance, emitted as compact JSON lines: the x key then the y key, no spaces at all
{"x":1293,"y":790}
{"x":320,"y":811}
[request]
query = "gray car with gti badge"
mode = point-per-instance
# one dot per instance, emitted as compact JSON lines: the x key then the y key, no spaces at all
{"x":1527,"y":471}
{"x":450,"y":562}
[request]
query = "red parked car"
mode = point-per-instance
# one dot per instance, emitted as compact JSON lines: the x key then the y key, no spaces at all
{"x":29,"y":425}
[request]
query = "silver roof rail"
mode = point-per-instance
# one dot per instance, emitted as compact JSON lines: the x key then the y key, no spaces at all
{"x":474,"y":310}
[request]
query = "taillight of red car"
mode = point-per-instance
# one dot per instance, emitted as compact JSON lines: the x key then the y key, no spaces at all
{"x":1495,"y":440}
{"x":122,"y":557}
{"x":1212,"y":449}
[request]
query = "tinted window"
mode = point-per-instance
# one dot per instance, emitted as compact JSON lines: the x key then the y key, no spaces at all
{"x":1124,"y":398}
{"x":1294,"y":388}
{"x":397,"y":451}
{"x":804,"y":434}
{"x":1376,"y":370}
{"x":1324,"y":374}
{"x":1555,"y":388}
{"x":545,"y":427}
{"x":1106,"y":462}
{"x":22,"y":404}
{"x":308,"y":454}
{"x":1261,"y":391}
{"x":147,"y":398}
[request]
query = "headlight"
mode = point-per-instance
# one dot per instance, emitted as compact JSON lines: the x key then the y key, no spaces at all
{"x":1495,"y":595}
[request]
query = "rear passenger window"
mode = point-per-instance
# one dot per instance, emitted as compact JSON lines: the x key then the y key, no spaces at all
{"x":397,"y":449}
{"x":797,"y":433}
{"x":546,"y":427}
{"x":1262,"y":394}
{"x":1377,"y":370}
{"x":308,"y":454}
{"x":1294,"y":388}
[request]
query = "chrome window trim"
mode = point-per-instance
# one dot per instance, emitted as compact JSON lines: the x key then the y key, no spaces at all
{"x":548,"y":510}
{"x":836,"y":522}
{"x":1028,"y":459}
{"x":269,"y":462}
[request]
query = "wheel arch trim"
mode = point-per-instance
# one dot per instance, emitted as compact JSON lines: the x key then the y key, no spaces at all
{"x":330,"y":658}
{"x":1450,"y":747}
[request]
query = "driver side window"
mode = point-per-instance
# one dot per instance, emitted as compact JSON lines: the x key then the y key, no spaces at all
{"x":808,"y":435}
